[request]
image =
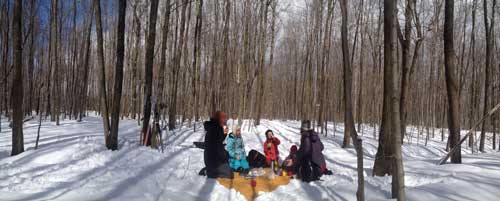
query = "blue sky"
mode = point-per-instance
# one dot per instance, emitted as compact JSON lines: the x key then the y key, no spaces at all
{"x":43,"y":12}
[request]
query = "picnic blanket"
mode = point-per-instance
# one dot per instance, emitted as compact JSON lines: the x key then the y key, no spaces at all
{"x":262,"y":184}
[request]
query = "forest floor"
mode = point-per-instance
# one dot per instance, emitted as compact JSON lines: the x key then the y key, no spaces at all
{"x":72,"y":163}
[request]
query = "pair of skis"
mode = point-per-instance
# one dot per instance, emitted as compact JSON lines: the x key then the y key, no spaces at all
{"x":157,"y":136}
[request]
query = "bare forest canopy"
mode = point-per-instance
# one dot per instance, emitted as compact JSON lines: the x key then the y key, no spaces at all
{"x":253,"y":59}
{"x":392,"y":63}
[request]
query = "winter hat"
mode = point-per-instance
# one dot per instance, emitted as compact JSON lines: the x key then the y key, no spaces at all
{"x":306,"y":125}
{"x":268,"y":132}
{"x":293,"y":149}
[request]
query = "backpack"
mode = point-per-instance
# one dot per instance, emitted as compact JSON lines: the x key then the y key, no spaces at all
{"x":256,"y":159}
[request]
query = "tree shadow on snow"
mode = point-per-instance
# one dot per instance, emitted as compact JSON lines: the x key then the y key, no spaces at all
{"x":206,"y":189}
{"x":314,"y":192}
{"x":48,"y":147}
{"x":4,"y":154}
{"x":69,"y":186}
{"x":124,"y":185}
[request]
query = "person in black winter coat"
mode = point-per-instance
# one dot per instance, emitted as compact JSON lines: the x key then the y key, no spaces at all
{"x":215,"y":155}
{"x":311,"y":162}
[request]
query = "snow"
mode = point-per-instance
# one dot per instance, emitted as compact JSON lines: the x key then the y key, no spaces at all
{"x":72,"y":163}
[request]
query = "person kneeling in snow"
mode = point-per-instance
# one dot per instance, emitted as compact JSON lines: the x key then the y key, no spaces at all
{"x":236,"y":150}
{"x":215,"y":155}
{"x":311,"y":162}
{"x":271,"y":148}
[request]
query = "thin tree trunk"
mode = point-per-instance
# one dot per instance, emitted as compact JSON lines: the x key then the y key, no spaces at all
{"x":197,"y":60}
{"x":31,"y":59}
{"x":406,"y":45}
{"x":472,"y":55}
{"x":177,"y":67}
{"x":262,"y":54}
{"x":148,"y":67}
{"x":159,"y":104}
{"x":112,"y":141}
{"x":54,"y":75}
{"x":489,"y":29}
{"x":135,"y":86}
{"x":350,"y":129}
{"x":102,"y":70}
{"x":82,"y":100}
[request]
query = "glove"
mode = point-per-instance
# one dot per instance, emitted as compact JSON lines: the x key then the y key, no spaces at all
{"x":238,"y":157}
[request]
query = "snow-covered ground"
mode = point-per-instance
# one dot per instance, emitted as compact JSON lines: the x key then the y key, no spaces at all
{"x":73,"y":164}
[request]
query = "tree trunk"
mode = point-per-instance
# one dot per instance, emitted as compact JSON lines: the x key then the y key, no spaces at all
{"x":350,"y":129}
{"x":225,"y":57}
{"x":389,"y":158}
{"x":473,"y":98}
{"x":83,"y":82}
{"x":489,"y":29}
{"x":55,"y":93}
{"x":359,"y":109}
{"x":102,"y":71}
{"x":112,"y":141}
{"x":323,"y":68}
{"x":31,"y":59}
{"x":159,"y":104}
{"x":176,"y":69}
{"x":451,"y":82}
{"x":406,"y":45}
{"x":148,"y":67}
{"x":197,"y":60}
{"x":135,"y":85}
{"x":262,"y":55}
{"x":17,"y":81}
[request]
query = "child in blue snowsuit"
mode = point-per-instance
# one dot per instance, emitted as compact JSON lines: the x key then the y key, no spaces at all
{"x":236,"y":150}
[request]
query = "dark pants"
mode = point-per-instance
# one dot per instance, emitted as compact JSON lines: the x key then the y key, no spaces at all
{"x":222,"y":171}
{"x":308,"y":171}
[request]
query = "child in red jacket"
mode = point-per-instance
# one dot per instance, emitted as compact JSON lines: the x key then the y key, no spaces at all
{"x":271,"y":148}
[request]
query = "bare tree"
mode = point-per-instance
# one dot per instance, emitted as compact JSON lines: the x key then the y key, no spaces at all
{"x":17,"y":81}
{"x":102,"y":70}
{"x":408,"y":61}
{"x":28,"y":103}
{"x":348,"y":116}
{"x":84,"y":74}
{"x":489,"y":33}
{"x":54,"y":62}
{"x":163,"y":64}
{"x":389,"y":158}
{"x":112,"y":141}
{"x":451,"y":81}
{"x":261,"y":60}
{"x":148,"y":67}
{"x":176,"y":69}
{"x":350,"y":129}
{"x":197,"y":60}
{"x":134,"y":65}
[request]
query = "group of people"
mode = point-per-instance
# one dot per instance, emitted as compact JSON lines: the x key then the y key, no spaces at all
{"x":225,"y":152}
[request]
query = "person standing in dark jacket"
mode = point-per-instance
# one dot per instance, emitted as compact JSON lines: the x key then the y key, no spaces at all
{"x":311,"y":162}
{"x":215,"y":155}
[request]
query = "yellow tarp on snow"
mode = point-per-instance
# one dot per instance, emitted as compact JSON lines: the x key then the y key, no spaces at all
{"x":263,"y":184}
